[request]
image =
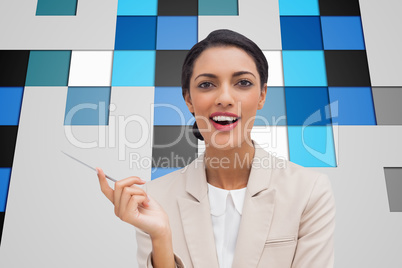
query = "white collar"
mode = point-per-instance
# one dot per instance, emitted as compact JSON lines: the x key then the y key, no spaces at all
{"x":217,"y":199}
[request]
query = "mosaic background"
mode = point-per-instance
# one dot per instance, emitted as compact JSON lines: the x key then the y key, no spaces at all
{"x":96,"y":79}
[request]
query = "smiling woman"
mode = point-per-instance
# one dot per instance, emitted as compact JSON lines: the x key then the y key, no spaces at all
{"x":228,"y":208}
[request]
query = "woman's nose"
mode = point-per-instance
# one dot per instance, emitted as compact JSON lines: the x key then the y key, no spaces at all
{"x":225,"y":96}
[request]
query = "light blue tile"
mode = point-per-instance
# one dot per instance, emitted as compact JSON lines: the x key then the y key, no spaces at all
{"x":304,"y":68}
{"x":274,"y":112}
{"x":170,"y":107}
{"x":299,"y":8}
{"x":342,"y":33}
{"x":218,"y":8}
{"x":311,"y":146}
{"x":137,"y":8}
{"x":176,"y":32}
{"x":159,"y":172}
{"x":133,"y":68}
{"x":5,"y":174}
{"x":10,"y":105}
{"x":87,"y":106}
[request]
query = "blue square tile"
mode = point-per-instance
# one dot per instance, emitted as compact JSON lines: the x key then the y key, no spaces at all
{"x":307,"y":106}
{"x":176,"y":32}
{"x":304,"y":68}
{"x":299,"y":8}
{"x":48,"y":68}
{"x":342,"y":33}
{"x":87,"y":106}
{"x":274,"y":112}
{"x":312,"y":146}
{"x":10,"y":105}
{"x":133,"y":68}
{"x":137,"y":8}
{"x":170,"y":107}
{"x":301,"y":33}
{"x":135,"y":33}
{"x":159,"y":172}
{"x":354,"y":105}
{"x":5,"y":174}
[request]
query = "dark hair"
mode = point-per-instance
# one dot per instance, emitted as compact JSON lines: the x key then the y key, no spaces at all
{"x":219,"y":38}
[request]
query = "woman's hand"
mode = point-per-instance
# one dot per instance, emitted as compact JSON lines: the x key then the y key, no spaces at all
{"x":132,"y":205}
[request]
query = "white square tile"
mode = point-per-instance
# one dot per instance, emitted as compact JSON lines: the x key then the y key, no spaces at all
{"x":91,"y":68}
{"x":273,"y":139}
{"x":275,"y":68}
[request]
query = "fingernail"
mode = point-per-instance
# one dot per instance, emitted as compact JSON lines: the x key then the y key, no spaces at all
{"x":97,"y":171}
{"x":143,"y":180}
{"x":148,"y":198}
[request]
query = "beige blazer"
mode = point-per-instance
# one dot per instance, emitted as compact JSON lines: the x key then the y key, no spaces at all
{"x":288,"y":217}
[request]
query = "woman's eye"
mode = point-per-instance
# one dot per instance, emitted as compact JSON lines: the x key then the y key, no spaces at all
{"x":205,"y":85}
{"x":245,"y":83}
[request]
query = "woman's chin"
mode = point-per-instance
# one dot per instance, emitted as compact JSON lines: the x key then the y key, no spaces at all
{"x":224,"y":141}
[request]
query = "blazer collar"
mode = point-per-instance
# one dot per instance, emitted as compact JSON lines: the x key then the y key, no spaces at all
{"x":196,"y":181}
{"x":256,"y":217}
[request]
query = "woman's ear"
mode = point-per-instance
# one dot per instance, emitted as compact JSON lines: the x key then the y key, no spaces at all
{"x":189,"y":103}
{"x":263,"y":95}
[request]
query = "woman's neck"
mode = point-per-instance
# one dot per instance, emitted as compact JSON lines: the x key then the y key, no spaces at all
{"x":229,"y":169}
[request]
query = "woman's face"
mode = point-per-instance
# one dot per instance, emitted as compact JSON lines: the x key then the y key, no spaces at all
{"x":225,"y":93}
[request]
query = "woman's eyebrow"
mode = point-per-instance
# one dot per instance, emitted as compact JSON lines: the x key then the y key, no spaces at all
{"x":243,"y":72}
{"x":234,"y":74}
{"x":207,"y":75}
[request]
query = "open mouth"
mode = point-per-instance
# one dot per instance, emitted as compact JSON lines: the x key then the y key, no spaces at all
{"x":224,"y":120}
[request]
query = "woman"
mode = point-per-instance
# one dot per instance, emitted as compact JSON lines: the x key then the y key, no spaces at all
{"x":228,"y":208}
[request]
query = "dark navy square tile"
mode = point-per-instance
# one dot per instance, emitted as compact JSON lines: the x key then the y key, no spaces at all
{"x":301,"y":33}
{"x":307,"y":106}
{"x":135,"y":33}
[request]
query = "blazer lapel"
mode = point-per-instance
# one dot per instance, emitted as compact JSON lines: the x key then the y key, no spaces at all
{"x":196,"y":217}
{"x":257,"y":214}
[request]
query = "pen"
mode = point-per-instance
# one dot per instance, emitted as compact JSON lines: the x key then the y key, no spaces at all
{"x":108,"y":177}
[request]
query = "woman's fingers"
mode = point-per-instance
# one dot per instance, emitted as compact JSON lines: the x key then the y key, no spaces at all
{"x":127,"y":194}
{"x":120,"y":185}
{"x":105,"y":188}
{"x":131,"y":213}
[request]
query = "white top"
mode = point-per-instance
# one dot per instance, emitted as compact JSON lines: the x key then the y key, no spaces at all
{"x":226,"y":210}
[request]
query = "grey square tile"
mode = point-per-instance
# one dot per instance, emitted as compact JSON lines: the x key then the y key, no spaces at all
{"x":393,"y":179}
{"x":173,"y":146}
{"x":387,"y":104}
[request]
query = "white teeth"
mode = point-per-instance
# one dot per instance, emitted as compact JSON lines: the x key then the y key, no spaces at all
{"x":224,"y":118}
